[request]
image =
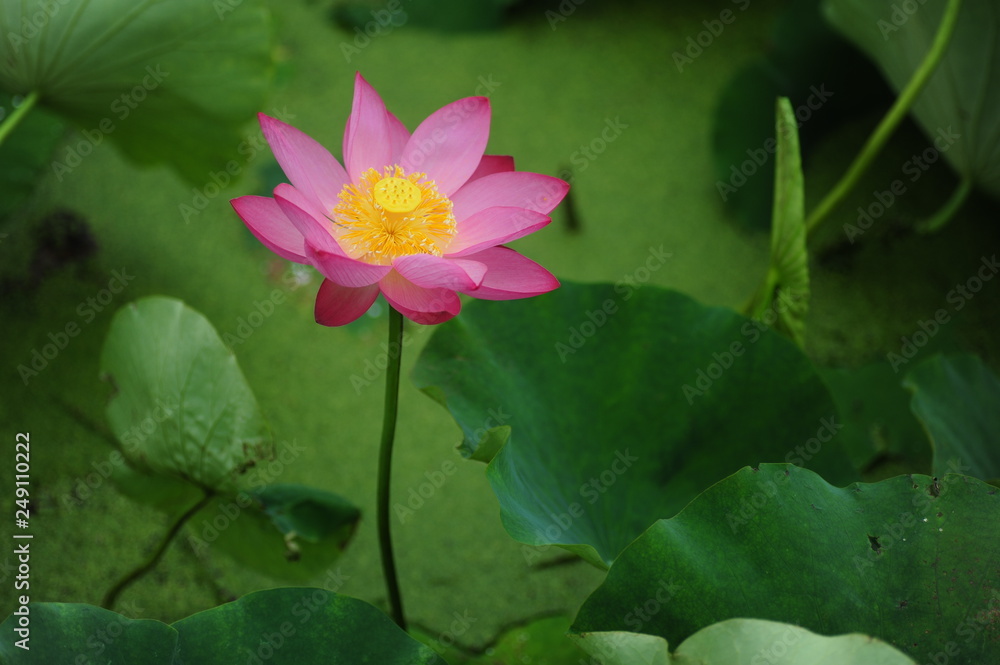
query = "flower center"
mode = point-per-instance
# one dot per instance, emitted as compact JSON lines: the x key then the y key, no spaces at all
{"x":392,"y":214}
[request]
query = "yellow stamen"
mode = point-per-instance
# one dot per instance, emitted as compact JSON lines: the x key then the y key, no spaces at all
{"x":393,"y":214}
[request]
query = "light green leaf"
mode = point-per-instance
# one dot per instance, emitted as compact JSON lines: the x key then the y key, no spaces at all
{"x":741,"y":642}
{"x":181,"y":407}
{"x":786,"y":289}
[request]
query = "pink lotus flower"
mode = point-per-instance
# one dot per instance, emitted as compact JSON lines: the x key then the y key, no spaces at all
{"x":418,"y":217}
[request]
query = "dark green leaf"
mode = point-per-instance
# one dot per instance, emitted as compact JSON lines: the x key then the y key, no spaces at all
{"x":297,"y":626}
{"x":286,"y":531}
{"x":907,"y":560}
{"x":956,"y":399}
{"x":622,"y":407}
{"x":76,"y":633}
{"x":292,"y":626}
{"x":880,"y":432}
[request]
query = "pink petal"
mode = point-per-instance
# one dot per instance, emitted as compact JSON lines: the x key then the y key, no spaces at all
{"x":510,"y":276}
{"x":449,"y":144}
{"x":494,"y":226}
{"x":520,"y":189}
{"x":310,"y":166}
{"x":425,"y":306}
{"x":430,"y":271}
{"x":271,"y":226}
{"x":398,"y":137}
{"x":337,"y":305}
{"x":492,"y":164}
{"x":317,"y":231}
{"x":369,"y":132}
{"x":322,"y":249}
{"x":344,"y":270}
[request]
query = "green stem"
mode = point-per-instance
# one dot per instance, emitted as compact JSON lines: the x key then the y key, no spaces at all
{"x":112,"y":595}
{"x":8,"y":125}
{"x":385,"y":465}
{"x":892,"y":119}
{"x":948,"y":210}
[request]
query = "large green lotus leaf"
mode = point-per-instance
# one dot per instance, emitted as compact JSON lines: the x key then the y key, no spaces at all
{"x":880,"y":432}
{"x":959,"y":110}
{"x":289,"y":626}
{"x":181,"y":406}
{"x":741,"y":642}
{"x":287,"y":531}
{"x":78,"y":633}
{"x":957,"y":398}
{"x":167,"y":80}
{"x":912,"y":560}
{"x":25,"y":154}
{"x":622,"y":405}
{"x":297,"y":626}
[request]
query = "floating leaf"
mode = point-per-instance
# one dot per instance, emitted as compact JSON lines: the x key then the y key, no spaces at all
{"x":622,"y":407}
{"x":296,"y":626}
{"x":906,"y":560}
{"x":956,"y":399}
{"x":181,"y":407}
{"x":167,"y":82}
{"x":742,"y":642}
{"x":284,"y":530}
